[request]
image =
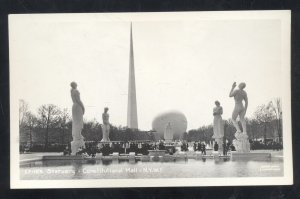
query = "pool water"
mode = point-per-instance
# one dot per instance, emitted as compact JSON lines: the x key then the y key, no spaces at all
{"x":108,"y":169}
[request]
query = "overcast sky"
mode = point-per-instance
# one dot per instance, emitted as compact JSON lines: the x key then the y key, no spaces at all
{"x":179,"y":65}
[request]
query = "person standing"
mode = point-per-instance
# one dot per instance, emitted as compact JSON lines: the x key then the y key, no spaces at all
{"x":203,"y":148}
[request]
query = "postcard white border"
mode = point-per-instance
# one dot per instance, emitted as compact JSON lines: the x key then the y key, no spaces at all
{"x":284,"y":16}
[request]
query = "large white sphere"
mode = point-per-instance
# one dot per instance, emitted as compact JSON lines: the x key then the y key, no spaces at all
{"x":177,"y":119}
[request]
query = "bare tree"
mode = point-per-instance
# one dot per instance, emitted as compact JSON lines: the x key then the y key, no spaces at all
{"x":277,"y":108}
{"x":27,"y":120}
{"x":31,"y":122}
{"x":254,"y":128}
{"x":49,"y":117}
{"x":264,"y":115}
{"x":64,"y":118}
{"x":23,"y":109}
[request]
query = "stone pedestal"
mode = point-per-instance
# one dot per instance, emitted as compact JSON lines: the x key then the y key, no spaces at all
{"x":168,"y":141}
{"x":131,"y":156}
{"x":257,"y":156}
{"x":220,"y":143}
{"x":115,"y":156}
{"x":157,"y":152}
{"x":98,"y":155}
{"x":198,"y":155}
{"x":215,"y":154}
{"x":76,"y":144}
{"x":168,"y":158}
{"x":181,"y":156}
{"x":145,"y":158}
{"x":241,"y":143}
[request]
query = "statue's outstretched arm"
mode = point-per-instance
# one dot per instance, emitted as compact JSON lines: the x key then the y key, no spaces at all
{"x":232,"y":91}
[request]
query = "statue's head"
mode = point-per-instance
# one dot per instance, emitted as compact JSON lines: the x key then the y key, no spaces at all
{"x":105,"y":109}
{"x":217,"y":103}
{"x":73,"y":85}
{"x":242,"y":85}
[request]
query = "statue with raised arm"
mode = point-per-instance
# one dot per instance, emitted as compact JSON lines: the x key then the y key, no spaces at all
{"x":105,"y":126}
{"x":218,"y":124}
{"x":77,"y":119}
{"x":168,"y":134}
{"x":241,"y":143}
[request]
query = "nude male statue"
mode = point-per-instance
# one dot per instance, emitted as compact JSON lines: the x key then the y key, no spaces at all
{"x":239,"y":109}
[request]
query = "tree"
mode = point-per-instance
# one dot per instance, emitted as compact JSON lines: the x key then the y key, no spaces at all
{"x":185,"y":136}
{"x":27,"y":122}
{"x":208,"y":133}
{"x":31,"y":122}
{"x":23,"y":110}
{"x":91,"y":130}
{"x":276,"y":106}
{"x":253,"y":128}
{"x":229,"y":130}
{"x":151,"y":135}
{"x":63,"y":119}
{"x":49,"y":117}
{"x":264,"y":115}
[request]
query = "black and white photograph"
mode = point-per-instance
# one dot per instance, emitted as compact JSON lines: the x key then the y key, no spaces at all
{"x":150,"y":99}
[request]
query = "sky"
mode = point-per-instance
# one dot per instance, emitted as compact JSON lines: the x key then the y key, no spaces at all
{"x":182,"y":65}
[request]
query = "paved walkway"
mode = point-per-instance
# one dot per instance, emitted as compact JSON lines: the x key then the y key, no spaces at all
{"x":35,"y":156}
{"x":38,"y":156}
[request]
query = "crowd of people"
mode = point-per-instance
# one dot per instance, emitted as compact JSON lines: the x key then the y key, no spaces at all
{"x":106,"y":148}
{"x":260,"y":145}
{"x":35,"y":147}
{"x":200,"y":146}
{"x":143,"y":147}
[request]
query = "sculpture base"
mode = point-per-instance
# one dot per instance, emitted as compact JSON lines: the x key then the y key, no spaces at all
{"x":241,"y":143}
{"x":105,"y":140}
{"x":75,"y":145}
{"x":220,"y":144}
{"x":157,"y":152}
{"x":216,"y":154}
{"x":250,"y":156}
{"x":168,"y":141}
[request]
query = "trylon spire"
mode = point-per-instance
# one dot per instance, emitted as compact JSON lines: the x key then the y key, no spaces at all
{"x":132,"y":119}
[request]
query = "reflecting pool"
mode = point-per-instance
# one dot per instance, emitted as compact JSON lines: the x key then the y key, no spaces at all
{"x":116,"y":169}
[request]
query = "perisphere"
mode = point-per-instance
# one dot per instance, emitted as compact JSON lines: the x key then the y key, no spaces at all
{"x":177,"y":120}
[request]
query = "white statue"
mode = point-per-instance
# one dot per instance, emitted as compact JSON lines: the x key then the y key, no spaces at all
{"x":218,"y":125}
{"x":105,"y":126}
{"x":77,"y":119}
{"x":168,"y":134}
{"x":241,"y":143}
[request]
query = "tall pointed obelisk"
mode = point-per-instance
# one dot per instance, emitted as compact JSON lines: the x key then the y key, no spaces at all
{"x":132,"y":119}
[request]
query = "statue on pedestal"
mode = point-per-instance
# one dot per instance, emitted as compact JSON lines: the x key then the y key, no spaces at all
{"x":77,"y":119}
{"x":241,"y":143}
{"x":218,"y":125}
{"x":105,"y":126}
{"x":168,"y":135}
